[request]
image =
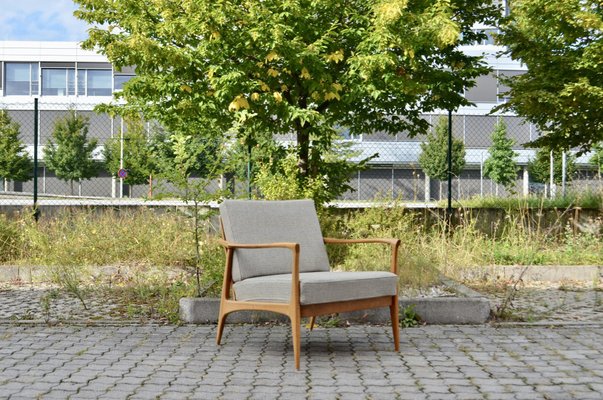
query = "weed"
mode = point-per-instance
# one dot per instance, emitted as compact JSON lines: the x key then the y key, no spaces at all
{"x":503,"y":310}
{"x":46,"y":302}
{"x":70,"y":278}
{"x":81,"y":352}
{"x":331,"y":321}
{"x":409,"y":317}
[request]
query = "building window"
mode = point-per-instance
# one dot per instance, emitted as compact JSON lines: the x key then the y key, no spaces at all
{"x":503,"y":96}
{"x":94,"y":82}
{"x":490,"y":33}
{"x":120,"y":80}
{"x":484,"y":91}
{"x":21,"y":79}
{"x":58,"y":81}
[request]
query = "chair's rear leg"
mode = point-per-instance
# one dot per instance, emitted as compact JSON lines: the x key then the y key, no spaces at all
{"x":312,"y":321}
{"x":393,"y":311}
{"x":221,"y":321}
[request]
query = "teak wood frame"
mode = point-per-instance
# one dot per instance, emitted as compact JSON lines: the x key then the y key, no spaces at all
{"x":293,"y":309}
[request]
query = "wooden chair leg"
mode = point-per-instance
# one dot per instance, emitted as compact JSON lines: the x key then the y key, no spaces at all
{"x":312,"y":320}
{"x":394,"y":313}
{"x":296,"y":336}
{"x":221,"y":321}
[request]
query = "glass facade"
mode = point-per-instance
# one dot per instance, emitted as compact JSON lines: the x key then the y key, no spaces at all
{"x":120,"y":80}
{"x":95,"y":82}
{"x":58,"y":81}
{"x":21,"y":79}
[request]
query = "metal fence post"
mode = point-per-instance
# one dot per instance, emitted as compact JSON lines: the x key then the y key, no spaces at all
{"x":449,"y":208}
{"x":35,"y":177}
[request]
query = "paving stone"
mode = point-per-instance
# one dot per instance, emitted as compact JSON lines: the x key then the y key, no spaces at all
{"x":437,"y":362}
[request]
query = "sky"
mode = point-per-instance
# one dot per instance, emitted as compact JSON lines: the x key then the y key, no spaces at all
{"x":40,"y":20}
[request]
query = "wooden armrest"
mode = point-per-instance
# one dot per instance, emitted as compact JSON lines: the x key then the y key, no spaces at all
{"x":286,"y":245}
{"x":391,"y":242}
{"x":394,"y":243}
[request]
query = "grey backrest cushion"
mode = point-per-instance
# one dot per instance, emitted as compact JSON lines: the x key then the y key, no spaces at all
{"x":257,"y":221}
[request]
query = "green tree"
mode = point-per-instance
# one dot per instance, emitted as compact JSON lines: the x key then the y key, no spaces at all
{"x":289,"y":66}
{"x":15,"y":163}
{"x":177,"y":155}
{"x":596,"y":159}
{"x":138,"y":158}
{"x":501,"y":166}
{"x":69,"y":152}
{"x":539,"y":167}
{"x":278,"y":178}
{"x":561,"y":42}
{"x":434,"y":154}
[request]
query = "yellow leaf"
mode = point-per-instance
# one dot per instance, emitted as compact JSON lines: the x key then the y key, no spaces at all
{"x":336,"y":57}
{"x":186,"y":88}
{"x":272,"y":72}
{"x":305,"y":74}
{"x":255,"y":96}
{"x":263,"y":86}
{"x":389,"y":11}
{"x":284,"y":88}
{"x":315,"y":96}
{"x":215,"y":35}
{"x":239,"y":102}
{"x":331,"y":96}
{"x":272,"y":56}
{"x":337,"y":86}
{"x":278,"y":97}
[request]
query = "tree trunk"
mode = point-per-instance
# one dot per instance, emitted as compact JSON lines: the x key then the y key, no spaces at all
{"x":303,"y":143}
{"x":5,"y":185}
{"x":150,"y":194}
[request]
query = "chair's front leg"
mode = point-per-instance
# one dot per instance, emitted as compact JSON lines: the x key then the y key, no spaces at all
{"x":394,"y":314}
{"x":295,"y":307}
{"x":225,"y":294}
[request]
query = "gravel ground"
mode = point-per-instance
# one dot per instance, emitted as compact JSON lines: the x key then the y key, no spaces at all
{"x":567,"y":301}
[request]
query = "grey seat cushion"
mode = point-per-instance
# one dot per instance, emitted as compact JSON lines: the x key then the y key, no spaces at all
{"x":318,"y":287}
{"x":252,"y":222}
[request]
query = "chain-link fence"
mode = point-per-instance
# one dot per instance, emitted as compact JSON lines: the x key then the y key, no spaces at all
{"x":394,"y":173}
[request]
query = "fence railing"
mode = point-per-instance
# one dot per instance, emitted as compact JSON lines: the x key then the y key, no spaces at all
{"x":394,"y":173}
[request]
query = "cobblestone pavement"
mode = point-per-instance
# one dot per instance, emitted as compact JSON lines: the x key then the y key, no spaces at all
{"x":148,"y":361}
{"x":566,"y":301}
{"x":169,"y":362}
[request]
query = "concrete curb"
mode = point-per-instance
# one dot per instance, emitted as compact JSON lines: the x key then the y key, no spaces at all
{"x":437,"y":311}
{"x":549,"y":273}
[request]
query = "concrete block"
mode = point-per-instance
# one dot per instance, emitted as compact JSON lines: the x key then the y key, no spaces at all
{"x":439,"y":310}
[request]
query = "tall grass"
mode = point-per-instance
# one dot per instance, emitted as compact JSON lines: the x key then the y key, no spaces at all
{"x":159,"y":253}
{"x":107,"y":237}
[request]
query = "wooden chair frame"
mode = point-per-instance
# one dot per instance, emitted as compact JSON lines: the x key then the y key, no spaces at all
{"x":293,"y":309}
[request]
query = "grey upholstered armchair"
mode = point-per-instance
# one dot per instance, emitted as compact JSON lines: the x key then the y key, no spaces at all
{"x":276,"y":260}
